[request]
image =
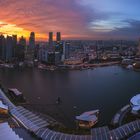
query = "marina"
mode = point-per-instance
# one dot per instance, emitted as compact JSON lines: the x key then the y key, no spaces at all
{"x":48,"y":86}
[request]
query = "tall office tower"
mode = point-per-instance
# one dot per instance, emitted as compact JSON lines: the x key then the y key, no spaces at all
{"x":29,"y":52}
{"x":32,"y":41}
{"x":59,"y":44}
{"x":58,"y":37}
{"x":2,"y":47}
{"x":66,"y":50}
{"x":20,"y":50}
{"x":9,"y":48}
{"x":22,"y":41}
{"x":14,"y":37}
{"x":14,"y":40}
{"x":51,"y":41}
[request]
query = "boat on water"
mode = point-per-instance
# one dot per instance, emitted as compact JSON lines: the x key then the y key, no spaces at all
{"x":42,"y":67}
{"x":129,"y":67}
{"x":10,"y":66}
{"x":58,"y":101}
{"x":87,"y":119}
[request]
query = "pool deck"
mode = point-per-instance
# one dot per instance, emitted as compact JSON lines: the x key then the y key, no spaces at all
{"x":35,"y":124}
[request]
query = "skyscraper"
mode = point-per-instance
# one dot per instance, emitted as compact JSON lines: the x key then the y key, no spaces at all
{"x":2,"y":48}
{"x":14,"y":37}
{"x":32,"y":41}
{"x":58,"y":37}
{"x":9,"y":48}
{"x":22,"y":41}
{"x":50,"y":36}
{"x":20,"y":50}
{"x":50,"y":39}
{"x":29,"y":53}
{"x":66,"y":50}
{"x":59,"y":44}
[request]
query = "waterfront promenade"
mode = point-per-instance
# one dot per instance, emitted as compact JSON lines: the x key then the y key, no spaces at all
{"x":35,"y":124}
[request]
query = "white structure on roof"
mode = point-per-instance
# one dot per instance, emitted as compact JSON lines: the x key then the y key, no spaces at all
{"x":135,"y":103}
{"x":2,"y":106}
{"x":15,"y":91}
{"x":88,"y":119}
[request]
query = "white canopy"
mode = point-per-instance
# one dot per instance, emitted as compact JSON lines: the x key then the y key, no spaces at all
{"x":3,"y":106}
{"x":15,"y":91}
{"x":135,"y":100}
{"x":136,"y":108}
{"x":88,"y":116}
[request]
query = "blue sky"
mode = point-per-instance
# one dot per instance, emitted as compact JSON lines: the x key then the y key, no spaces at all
{"x":116,"y":13}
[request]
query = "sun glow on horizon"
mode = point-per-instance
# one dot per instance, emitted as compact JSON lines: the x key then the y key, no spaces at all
{"x":13,"y":29}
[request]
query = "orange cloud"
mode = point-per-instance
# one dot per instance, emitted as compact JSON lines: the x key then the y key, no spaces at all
{"x":13,"y":29}
{"x":42,"y":16}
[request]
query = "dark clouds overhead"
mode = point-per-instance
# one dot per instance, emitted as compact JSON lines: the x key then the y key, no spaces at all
{"x":71,"y":17}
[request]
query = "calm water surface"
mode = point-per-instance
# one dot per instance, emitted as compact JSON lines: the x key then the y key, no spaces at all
{"x":105,"y":88}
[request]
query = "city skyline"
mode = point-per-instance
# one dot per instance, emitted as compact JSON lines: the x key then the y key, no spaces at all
{"x":75,"y":19}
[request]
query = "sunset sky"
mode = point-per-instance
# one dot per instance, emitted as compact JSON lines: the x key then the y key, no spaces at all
{"x":75,"y":19}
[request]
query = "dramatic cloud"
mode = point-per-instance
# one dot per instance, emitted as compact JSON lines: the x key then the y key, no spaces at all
{"x":131,"y":32}
{"x":74,"y":18}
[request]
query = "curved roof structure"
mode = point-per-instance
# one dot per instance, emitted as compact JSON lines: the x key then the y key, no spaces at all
{"x":3,"y":106}
{"x":135,"y":100}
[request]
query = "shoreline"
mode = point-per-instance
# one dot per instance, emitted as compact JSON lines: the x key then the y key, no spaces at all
{"x":62,"y":67}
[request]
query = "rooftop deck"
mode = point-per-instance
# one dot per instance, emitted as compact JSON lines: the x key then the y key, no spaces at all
{"x":34,"y":123}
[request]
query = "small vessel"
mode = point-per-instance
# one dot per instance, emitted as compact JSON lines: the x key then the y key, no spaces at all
{"x":130,"y":67}
{"x":42,"y":67}
{"x":87,"y":119}
{"x":58,"y":101}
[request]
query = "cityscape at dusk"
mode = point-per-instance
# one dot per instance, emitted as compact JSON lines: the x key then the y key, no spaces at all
{"x":69,"y":70}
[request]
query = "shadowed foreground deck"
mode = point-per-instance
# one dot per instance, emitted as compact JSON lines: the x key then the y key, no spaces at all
{"x":34,"y":123}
